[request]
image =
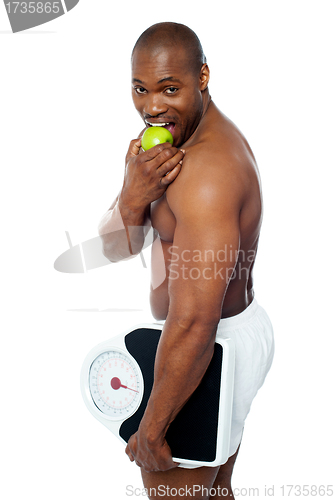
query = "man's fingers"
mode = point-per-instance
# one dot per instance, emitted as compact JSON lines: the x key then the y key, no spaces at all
{"x":170,"y":162}
{"x":134,"y":149}
{"x":170,"y":176}
{"x":129,"y":453}
{"x":171,"y":155}
{"x":170,"y":170}
{"x":156,"y":151}
{"x":151,"y":462}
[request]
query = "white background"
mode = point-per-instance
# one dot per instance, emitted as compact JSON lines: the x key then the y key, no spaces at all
{"x":66,"y":121}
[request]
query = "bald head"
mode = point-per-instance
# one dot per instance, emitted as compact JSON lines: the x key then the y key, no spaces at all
{"x":173,"y":36}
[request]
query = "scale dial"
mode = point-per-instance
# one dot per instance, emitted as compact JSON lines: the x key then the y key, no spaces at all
{"x":115,"y":384}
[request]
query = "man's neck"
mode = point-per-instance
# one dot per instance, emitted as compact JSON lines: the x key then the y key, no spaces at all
{"x":206,"y":99}
{"x":206,"y":103}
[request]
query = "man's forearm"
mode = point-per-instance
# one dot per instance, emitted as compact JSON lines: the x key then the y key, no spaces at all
{"x":123,"y":231}
{"x":183,"y":356}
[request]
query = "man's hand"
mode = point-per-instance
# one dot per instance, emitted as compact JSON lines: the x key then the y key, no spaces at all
{"x":152,"y":456}
{"x":148,"y":174}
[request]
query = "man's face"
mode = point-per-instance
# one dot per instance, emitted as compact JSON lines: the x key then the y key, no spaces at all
{"x":166,"y":91}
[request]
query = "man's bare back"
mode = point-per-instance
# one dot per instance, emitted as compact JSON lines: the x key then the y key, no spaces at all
{"x":226,"y":153}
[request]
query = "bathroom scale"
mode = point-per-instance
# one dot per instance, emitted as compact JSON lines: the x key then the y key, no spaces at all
{"x":116,"y":381}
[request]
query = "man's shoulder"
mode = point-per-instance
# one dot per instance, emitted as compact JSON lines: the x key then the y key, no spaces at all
{"x":203,"y":189}
{"x":219,"y":144}
{"x":219,"y":138}
{"x":215,"y":171}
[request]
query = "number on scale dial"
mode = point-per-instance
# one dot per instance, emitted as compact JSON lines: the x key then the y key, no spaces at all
{"x":115,"y":384}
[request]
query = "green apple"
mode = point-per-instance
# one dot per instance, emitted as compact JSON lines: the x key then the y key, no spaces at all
{"x":155,"y":135}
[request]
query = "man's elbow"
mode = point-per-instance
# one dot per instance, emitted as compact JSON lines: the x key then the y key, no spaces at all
{"x":199,"y":322}
{"x":116,"y":248}
{"x":108,"y":252}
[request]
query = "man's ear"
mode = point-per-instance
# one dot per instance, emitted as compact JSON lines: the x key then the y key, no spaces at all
{"x":204,"y":77}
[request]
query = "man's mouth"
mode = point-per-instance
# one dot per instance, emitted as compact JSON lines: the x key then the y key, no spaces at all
{"x":170,"y":126}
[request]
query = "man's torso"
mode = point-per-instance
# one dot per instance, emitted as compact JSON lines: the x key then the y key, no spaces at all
{"x":225,"y":152}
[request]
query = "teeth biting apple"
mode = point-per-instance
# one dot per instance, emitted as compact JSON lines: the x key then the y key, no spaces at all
{"x":170,"y":126}
{"x":157,"y":124}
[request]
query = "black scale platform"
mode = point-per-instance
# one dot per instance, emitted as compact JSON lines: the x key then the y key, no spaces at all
{"x":193,"y":433}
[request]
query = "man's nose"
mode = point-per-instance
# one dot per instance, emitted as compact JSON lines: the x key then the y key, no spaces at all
{"x":154,"y":105}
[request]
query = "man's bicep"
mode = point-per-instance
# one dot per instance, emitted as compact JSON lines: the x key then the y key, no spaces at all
{"x":203,"y":257}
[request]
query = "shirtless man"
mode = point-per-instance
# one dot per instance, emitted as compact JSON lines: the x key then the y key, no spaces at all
{"x":204,"y":202}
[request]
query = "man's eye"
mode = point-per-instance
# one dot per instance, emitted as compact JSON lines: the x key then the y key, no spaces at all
{"x":140,"y":90}
{"x":171,"y":90}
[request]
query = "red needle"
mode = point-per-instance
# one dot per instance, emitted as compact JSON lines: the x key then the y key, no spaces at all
{"x":116,"y":384}
{"x":125,"y":387}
